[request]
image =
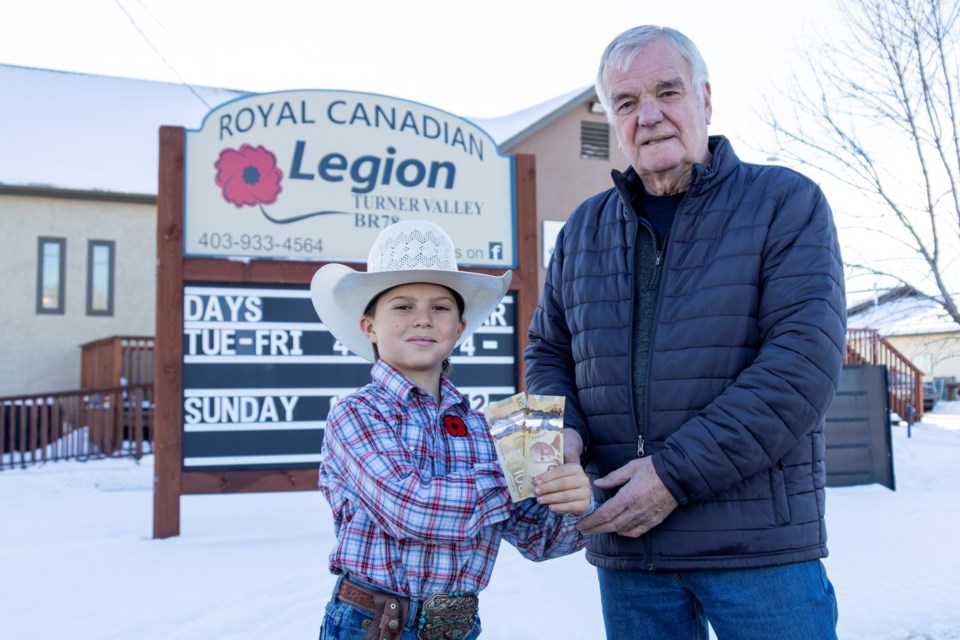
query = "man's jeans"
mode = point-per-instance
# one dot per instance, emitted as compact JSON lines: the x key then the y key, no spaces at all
{"x":789,"y":602}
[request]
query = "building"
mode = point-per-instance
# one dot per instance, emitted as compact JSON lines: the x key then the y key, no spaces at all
{"x":917,"y":326}
{"x":78,"y":184}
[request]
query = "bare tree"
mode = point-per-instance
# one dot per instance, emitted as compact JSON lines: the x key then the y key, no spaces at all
{"x":880,"y":114}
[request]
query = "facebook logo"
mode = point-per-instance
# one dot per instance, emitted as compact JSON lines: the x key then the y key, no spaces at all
{"x":496,"y":250}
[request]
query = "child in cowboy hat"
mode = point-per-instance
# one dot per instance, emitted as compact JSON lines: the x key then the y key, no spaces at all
{"x":419,"y":500}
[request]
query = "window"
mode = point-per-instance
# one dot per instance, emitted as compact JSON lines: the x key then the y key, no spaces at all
{"x":100,"y":264}
{"x":51,"y":267}
{"x":595,"y":140}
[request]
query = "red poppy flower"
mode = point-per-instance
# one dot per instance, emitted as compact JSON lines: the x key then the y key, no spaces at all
{"x":455,"y":426}
{"x":248,"y":176}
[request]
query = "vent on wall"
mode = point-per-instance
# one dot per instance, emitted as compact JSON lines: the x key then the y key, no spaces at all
{"x":595,"y":140}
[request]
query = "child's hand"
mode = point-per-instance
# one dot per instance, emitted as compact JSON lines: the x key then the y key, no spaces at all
{"x":565,"y":488}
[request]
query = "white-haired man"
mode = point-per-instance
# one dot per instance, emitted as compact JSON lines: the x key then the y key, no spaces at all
{"x":694,"y":317}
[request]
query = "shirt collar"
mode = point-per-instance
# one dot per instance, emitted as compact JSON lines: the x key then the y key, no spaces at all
{"x":404,"y":391}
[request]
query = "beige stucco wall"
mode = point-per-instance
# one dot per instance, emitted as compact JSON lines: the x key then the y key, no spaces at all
{"x":564,"y":179}
{"x":937,"y":355}
{"x":41,"y":352}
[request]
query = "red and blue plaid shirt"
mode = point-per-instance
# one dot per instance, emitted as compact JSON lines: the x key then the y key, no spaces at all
{"x":418,"y":510}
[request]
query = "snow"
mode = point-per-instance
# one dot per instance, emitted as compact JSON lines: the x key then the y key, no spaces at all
{"x":90,"y":132}
{"x":505,"y":128}
{"x":77,"y":559}
{"x":904,"y":316}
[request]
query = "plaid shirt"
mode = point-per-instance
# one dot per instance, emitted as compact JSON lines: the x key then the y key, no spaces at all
{"x":416,"y":509}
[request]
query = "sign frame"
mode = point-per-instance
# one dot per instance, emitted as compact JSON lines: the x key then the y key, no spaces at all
{"x":171,"y":481}
{"x":316,"y":158}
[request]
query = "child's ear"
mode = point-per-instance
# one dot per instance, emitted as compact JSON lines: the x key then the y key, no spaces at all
{"x":463,"y":326}
{"x":366,"y":325}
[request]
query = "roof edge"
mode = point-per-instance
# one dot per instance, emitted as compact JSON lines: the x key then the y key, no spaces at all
{"x":76,"y":194}
{"x":550,"y":118}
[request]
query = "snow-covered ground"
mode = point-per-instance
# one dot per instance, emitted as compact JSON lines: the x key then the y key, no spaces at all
{"x":77,"y":560}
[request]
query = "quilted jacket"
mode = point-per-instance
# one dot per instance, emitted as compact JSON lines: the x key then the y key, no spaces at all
{"x":746,"y":352}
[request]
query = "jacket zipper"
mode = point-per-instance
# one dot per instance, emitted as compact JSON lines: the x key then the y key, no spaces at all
{"x":658,"y":267}
{"x":655,"y":282}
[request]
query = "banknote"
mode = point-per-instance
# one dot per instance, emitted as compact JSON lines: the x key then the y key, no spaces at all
{"x":510,"y":452}
{"x":543,"y":441}
{"x":507,"y":421}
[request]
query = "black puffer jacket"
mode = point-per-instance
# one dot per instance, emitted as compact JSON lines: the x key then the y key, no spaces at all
{"x":747,"y":349}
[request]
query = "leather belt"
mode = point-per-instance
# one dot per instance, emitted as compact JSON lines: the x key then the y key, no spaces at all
{"x":354,"y":594}
{"x":389,"y":611}
{"x":440,"y":617}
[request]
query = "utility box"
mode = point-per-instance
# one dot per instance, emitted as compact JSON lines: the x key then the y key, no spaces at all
{"x":857,"y":430}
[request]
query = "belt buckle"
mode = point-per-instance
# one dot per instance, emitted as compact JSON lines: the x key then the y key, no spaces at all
{"x":447,"y":616}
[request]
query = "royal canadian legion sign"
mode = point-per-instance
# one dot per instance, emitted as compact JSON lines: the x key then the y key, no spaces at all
{"x":315,"y":175}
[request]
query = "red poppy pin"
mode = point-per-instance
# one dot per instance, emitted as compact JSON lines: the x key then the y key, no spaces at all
{"x":455,"y":426}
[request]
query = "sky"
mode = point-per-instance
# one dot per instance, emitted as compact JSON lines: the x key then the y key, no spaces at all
{"x":77,"y":559}
{"x":472,"y":59}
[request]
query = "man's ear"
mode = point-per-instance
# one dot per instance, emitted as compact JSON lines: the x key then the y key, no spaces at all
{"x":707,"y":102}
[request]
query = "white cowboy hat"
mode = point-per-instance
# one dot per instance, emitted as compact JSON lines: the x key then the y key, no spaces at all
{"x":405,"y":252}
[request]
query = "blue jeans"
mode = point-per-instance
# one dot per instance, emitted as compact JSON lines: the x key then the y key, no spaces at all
{"x":343,"y":621}
{"x":788,"y":602}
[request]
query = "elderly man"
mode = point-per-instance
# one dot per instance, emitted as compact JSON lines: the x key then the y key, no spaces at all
{"x":694,"y":317}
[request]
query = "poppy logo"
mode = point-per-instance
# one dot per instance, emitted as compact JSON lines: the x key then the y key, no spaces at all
{"x":249,"y":176}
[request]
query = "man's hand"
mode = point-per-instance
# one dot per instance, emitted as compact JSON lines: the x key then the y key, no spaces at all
{"x":642,"y":502}
{"x":572,"y":446}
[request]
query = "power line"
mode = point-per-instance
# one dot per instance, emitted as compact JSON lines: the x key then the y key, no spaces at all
{"x":185,"y":47}
{"x":160,"y":55}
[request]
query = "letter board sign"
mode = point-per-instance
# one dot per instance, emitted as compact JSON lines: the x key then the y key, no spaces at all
{"x":260,"y":373}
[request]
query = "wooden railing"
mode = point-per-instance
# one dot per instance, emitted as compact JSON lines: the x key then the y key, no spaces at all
{"x":83,"y":424}
{"x":116,"y":360}
{"x":866,"y":346}
{"x":118,"y":420}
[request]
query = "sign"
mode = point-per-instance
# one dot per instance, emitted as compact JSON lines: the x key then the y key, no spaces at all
{"x":315,"y":175}
{"x":261,"y":372}
{"x":551,"y":229}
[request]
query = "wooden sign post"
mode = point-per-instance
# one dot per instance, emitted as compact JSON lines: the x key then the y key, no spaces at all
{"x":244,"y":372}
